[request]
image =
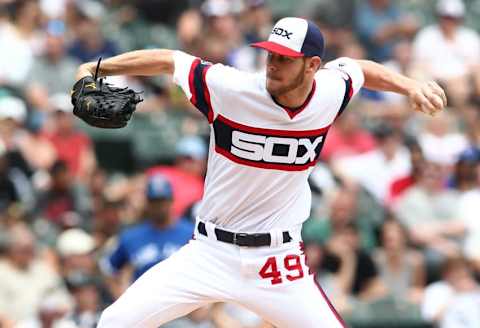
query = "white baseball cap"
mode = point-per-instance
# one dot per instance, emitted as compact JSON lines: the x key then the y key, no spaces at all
{"x":294,"y":37}
{"x":75,"y":242}
{"x":13,"y":108}
{"x":191,"y":146}
{"x":61,"y":102}
{"x":451,"y":8}
{"x":219,"y":8}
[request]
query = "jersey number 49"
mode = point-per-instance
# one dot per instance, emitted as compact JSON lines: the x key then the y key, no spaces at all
{"x":291,"y":262}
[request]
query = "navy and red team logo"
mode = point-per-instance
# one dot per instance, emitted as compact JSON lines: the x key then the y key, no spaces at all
{"x":268,"y":148}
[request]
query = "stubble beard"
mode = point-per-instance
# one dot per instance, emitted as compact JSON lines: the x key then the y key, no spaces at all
{"x":294,"y":84}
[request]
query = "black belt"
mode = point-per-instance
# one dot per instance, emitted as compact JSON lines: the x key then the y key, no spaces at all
{"x":243,"y":239}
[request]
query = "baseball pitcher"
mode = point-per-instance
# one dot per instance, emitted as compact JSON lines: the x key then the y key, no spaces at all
{"x":266,"y":134}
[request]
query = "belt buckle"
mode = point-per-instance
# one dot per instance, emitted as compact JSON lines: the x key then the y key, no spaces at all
{"x":241,"y":235}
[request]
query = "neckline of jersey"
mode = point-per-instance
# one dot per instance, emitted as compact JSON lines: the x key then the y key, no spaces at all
{"x":292,"y":112}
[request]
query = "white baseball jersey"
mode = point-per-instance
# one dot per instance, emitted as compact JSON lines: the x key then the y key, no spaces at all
{"x":261,"y":153}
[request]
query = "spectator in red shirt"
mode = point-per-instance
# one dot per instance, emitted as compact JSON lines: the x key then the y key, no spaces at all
{"x":64,"y":202}
{"x":187,"y":174}
{"x":398,"y":187}
{"x":347,"y":138}
{"x":72,"y":146}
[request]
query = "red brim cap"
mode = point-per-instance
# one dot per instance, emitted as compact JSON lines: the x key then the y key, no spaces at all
{"x":277,"y":48}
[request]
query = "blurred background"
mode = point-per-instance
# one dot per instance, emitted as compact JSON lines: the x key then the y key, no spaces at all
{"x":394,"y":232}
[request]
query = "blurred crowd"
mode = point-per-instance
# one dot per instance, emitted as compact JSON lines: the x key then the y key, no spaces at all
{"x":394,"y":232}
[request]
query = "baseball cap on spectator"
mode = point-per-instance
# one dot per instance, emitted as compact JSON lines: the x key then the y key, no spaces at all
{"x":56,"y":27}
{"x":451,"y":8}
{"x":191,"y":146}
{"x":294,"y":37}
{"x":13,"y":108}
{"x":218,"y":8}
{"x":158,"y":187}
{"x":61,"y":102}
{"x":91,"y":9}
{"x":255,"y":3}
{"x":75,"y":242}
{"x":470,"y":155}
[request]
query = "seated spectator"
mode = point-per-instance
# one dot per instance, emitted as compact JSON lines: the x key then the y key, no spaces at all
{"x":18,"y":160}
{"x":52,"y":312}
{"x":441,"y":141}
{"x":107,"y":219}
{"x":18,"y":35}
{"x":75,"y":248}
{"x":146,"y":243}
{"x":465,"y":176}
{"x":73,"y":146}
{"x":63,"y":200}
{"x":342,"y":210}
{"x":26,"y":278}
{"x":448,"y":51}
{"x":222,"y":36}
{"x":429,"y":211}
{"x":187,"y":173}
{"x":13,"y":114}
{"x":453,"y":301}
{"x":9,"y":192}
{"x":86,"y":298}
{"x":91,"y":43}
{"x":401,"y":268}
{"x":354,"y":271}
{"x":380,"y":24}
{"x":400,"y":185}
{"x":387,"y":162}
{"x":53,"y":70}
{"x":28,"y":149}
{"x":347,"y":138}
{"x":256,"y":22}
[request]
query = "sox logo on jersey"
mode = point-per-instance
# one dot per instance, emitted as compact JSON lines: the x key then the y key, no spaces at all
{"x":268,"y":148}
{"x":257,"y":148}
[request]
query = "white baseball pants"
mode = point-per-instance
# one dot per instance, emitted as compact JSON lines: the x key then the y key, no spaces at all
{"x":273,"y":282}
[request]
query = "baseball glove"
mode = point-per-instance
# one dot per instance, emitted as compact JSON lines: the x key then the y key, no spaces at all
{"x":101,"y":104}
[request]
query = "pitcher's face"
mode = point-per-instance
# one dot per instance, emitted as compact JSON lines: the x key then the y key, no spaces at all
{"x":284,"y":73}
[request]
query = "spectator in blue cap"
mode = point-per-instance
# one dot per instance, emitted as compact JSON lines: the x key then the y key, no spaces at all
{"x":465,"y":176}
{"x":150,"y":241}
{"x":187,"y":173}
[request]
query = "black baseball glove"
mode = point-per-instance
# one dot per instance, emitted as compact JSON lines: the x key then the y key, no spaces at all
{"x":101,"y":104}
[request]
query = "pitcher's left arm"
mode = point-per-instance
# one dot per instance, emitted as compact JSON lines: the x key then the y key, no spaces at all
{"x":427,"y":97}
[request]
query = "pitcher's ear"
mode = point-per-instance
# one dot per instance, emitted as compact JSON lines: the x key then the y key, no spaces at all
{"x":315,"y":63}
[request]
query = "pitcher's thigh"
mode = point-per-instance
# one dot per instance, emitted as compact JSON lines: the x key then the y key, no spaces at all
{"x":161,"y":294}
{"x":300,"y":304}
